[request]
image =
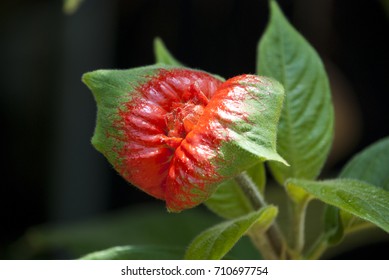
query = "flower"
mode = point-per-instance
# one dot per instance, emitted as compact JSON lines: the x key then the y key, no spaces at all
{"x":176,"y":133}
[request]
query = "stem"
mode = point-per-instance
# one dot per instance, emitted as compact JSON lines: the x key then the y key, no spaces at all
{"x":298,"y":225}
{"x":317,"y":249}
{"x":274,"y":245}
{"x":250,"y":190}
{"x":262,"y":243}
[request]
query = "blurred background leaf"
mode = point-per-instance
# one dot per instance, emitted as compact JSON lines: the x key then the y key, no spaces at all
{"x":145,"y":252}
{"x":147,"y":225}
{"x":71,"y":6}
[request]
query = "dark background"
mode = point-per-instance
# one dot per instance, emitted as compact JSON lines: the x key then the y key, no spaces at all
{"x":51,"y":173}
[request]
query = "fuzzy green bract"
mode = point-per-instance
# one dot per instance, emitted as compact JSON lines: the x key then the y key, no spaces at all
{"x":305,"y":130}
{"x":111,"y":90}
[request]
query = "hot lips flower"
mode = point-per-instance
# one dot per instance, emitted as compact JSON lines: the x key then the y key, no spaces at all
{"x":176,"y":133}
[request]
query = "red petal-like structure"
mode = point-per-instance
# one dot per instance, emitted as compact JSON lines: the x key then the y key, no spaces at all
{"x":176,"y":133}
{"x":156,"y":121}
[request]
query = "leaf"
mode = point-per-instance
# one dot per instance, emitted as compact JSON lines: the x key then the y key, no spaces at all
{"x":258,"y":174}
{"x":137,"y":253}
{"x":305,"y":130}
{"x":162,"y":54}
{"x":356,"y":197}
{"x":215,"y":242}
{"x":371,"y":165}
{"x":229,"y":201}
{"x":298,"y":195}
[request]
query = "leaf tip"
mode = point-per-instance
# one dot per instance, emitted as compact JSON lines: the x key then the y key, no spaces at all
{"x":157,"y":42}
{"x":89,"y":79}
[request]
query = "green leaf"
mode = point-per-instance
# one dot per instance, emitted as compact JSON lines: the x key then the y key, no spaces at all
{"x":229,"y":201}
{"x":356,"y":197}
{"x":305,"y":130}
{"x":215,"y":242}
{"x":162,"y":55}
{"x":298,"y":195}
{"x":137,"y":253}
{"x":371,"y":165}
{"x":258,"y":175}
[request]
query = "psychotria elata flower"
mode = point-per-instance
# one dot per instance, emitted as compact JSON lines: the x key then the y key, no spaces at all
{"x":176,"y":133}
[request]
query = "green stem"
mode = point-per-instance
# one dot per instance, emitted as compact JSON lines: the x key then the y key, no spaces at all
{"x":317,"y":249}
{"x":274,"y":245}
{"x":298,"y":225}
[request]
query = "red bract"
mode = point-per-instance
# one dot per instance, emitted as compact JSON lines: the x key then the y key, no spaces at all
{"x":155,"y":123}
{"x":177,"y":133}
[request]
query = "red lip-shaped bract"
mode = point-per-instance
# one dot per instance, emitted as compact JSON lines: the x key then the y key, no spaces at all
{"x":173,"y":134}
